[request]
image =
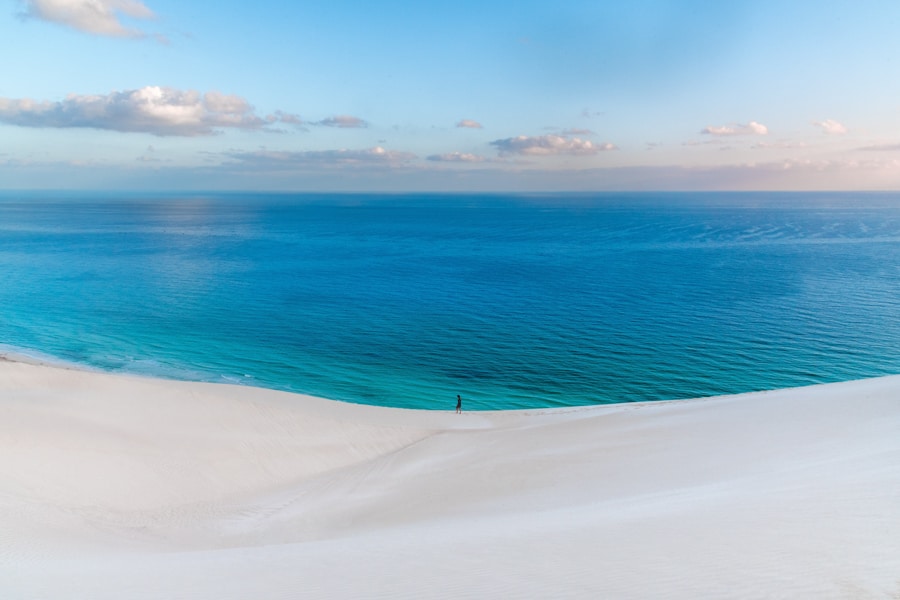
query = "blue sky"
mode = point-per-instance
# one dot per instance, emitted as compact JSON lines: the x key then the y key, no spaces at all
{"x":404,"y":96}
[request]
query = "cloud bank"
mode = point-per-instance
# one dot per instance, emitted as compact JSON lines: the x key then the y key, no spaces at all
{"x":98,"y":17}
{"x":751,"y":128}
{"x":379,"y":169}
{"x":469,"y":124}
{"x":161,"y":111}
{"x":548,"y":145}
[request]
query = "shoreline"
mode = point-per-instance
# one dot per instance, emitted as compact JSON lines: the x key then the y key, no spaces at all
{"x":117,"y":486}
{"x":36,"y":358}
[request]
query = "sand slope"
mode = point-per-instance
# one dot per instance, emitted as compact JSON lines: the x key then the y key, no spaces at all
{"x":119,"y":487}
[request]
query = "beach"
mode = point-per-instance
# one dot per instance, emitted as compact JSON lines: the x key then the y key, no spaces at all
{"x":125,"y":487}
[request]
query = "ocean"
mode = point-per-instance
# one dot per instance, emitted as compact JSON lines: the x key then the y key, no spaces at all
{"x":511,"y":301}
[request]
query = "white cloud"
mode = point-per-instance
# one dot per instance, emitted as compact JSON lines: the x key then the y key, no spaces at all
{"x":456,"y":157}
{"x":343,"y":121}
{"x":100,"y":17}
{"x":161,"y":111}
{"x":547,"y":145}
{"x":751,"y":128}
{"x":469,"y":124}
{"x":831,"y":126}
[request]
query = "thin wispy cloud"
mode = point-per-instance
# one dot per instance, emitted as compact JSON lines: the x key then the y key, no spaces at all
{"x":831,"y":127}
{"x":148,"y":156}
{"x":576,"y":131}
{"x":691,"y":143}
{"x":457,"y":157}
{"x":548,"y":145}
{"x":343,"y":122}
{"x":841,"y":165}
{"x":286,"y":118}
{"x":284,"y":159}
{"x":881,"y":148}
{"x":779,"y":145}
{"x":97,"y":17}
{"x":751,"y":128}
{"x":160,"y":111}
{"x":469,"y":124}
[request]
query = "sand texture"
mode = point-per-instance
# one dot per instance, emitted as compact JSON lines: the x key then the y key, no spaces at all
{"x":116,"y":487}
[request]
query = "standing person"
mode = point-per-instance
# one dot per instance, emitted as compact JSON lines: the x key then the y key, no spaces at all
{"x":458,"y":404}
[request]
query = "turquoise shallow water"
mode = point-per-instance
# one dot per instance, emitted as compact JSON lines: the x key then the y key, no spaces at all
{"x":511,"y":301}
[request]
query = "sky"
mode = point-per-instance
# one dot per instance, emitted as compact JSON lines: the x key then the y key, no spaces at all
{"x":394,"y":95}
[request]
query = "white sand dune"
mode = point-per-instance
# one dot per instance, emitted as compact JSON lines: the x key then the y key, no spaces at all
{"x":119,"y":487}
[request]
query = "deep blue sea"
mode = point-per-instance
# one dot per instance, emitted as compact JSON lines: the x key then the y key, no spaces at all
{"x":510,"y":301}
